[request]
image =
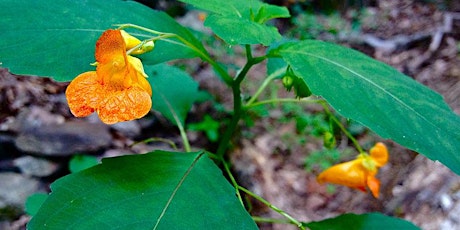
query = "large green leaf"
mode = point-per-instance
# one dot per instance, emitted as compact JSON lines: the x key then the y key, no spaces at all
{"x":374,"y":221}
{"x":173,"y":91}
{"x":237,"y":8}
{"x":242,"y":21}
{"x":158,"y":190}
{"x":248,"y":32}
{"x":378,"y":96}
{"x":58,"y":38}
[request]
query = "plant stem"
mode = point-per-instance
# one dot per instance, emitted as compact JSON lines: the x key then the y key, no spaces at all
{"x":264,"y":85}
{"x":340,"y":125}
{"x":237,"y":102}
{"x":270,"y":220}
{"x":232,"y":179}
{"x":273,"y":207}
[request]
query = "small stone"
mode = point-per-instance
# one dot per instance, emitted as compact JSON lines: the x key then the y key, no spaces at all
{"x":15,"y":188}
{"x":33,"y":166}
{"x":33,"y":118}
{"x":128,"y":129}
{"x":64,"y":139}
{"x":446,"y":202}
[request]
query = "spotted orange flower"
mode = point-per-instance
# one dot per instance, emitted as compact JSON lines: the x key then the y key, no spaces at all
{"x":118,"y":90}
{"x":360,"y":172}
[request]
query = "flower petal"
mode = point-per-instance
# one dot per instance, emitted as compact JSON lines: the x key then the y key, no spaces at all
{"x":374,"y":185}
{"x":139,"y":76}
{"x":110,"y":45}
{"x":379,"y":154}
{"x":124,"y":105}
{"x":130,"y":41}
{"x":351,"y":174}
{"x":84,"y":93}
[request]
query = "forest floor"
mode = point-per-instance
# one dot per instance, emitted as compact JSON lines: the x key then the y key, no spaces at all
{"x":419,"y":39}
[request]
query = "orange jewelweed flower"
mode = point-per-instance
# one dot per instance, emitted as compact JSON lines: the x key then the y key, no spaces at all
{"x":360,"y":172}
{"x":118,"y":90}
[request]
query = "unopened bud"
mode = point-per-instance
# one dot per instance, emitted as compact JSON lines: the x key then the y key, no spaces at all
{"x":288,"y":81}
{"x":144,"y":48}
{"x":329,"y":140}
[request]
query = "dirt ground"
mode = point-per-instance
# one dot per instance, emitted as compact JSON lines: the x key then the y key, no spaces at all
{"x":419,"y":39}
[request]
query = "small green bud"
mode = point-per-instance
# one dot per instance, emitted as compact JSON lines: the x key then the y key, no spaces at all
{"x":144,"y":48}
{"x":329,"y":141}
{"x":288,"y":81}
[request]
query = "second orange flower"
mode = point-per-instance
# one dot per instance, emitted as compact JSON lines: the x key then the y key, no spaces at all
{"x":359,"y":173}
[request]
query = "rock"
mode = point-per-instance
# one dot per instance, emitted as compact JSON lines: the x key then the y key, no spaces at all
{"x":34,"y":117}
{"x":64,"y":139}
{"x":15,"y":188}
{"x":33,"y":166}
{"x":128,"y":129}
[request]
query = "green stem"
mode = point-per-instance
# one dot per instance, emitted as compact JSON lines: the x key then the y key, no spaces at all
{"x":264,"y":85}
{"x":232,"y":179}
{"x":237,"y":102}
{"x":183,"y":135}
{"x":342,"y":127}
{"x":270,"y":220}
{"x":159,"y":37}
{"x":273,"y":207}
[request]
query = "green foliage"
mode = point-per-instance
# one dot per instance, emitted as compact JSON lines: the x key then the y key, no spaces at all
{"x":157,"y":190}
{"x":375,"y":221}
{"x":82,"y":162}
{"x":323,"y":159}
{"x":306,"y":123}
{"x":248,"y":16}
{"x":58,"y":39}
{"x":34,"y":202}
{"x":173,"y":91}
{"x":378,"y":96}
{"x":224,"y":27}
{"x":209,"y":126}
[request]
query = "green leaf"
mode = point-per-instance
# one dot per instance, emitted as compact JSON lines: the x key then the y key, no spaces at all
{"x":209,"y":126}
{"x":157,"y":190}
{"x":229,"y":15}
{"x":58,"y":39}
{"x":374,"y":221}
{"x":237,"y":8}
{"x":267,"y":12}
{"x":378,"y":96}
{"x":173,"y":91}
{"x":34,"y":202}
{"x":248,"y":32}
{"x":82,"y":162}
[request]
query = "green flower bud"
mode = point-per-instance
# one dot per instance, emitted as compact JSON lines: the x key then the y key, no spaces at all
{"x":288,"y":81}
{"x":329,"y":141}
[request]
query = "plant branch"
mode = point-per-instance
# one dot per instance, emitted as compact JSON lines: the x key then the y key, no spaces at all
{"x":342,"y":127}
{"x":237,"y":101}
{"x":232,"y":179}
{"x":273,"y":207}
{"x":264,"y":85}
